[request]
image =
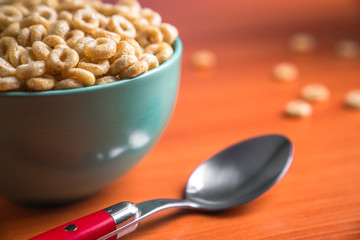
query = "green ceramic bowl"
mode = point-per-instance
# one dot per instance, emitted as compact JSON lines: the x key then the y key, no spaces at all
{"x":66,"y":145}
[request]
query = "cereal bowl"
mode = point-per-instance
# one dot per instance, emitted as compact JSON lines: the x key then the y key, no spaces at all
{"x":65,"y":145}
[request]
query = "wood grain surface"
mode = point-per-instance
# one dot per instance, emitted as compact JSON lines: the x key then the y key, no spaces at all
{"x":319,"y":198}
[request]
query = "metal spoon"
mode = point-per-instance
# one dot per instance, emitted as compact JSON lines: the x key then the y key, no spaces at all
{"x":232,"y":177}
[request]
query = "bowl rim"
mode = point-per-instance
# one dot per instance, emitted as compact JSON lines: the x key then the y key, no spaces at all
{"x":177,"y":45}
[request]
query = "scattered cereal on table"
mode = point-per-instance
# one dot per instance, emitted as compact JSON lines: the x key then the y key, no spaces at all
{"x":203,"y":59}
{"x":347,"y":49}
{"x":315,"y":92}
{"x":302,"y":43}
{"x":298,"y":108}
{"x":285,"y":72}
{"x":352,"y":98}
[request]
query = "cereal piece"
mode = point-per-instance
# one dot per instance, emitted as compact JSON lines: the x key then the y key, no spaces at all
{"x":96,"y":67}
{"x":132,"y":5}
{"x":352,"y":98}
{"x":6,"y":43}
{"x":285,"y":72}
{"x":151,"y":60}
{"x":72,"y":37}
{"x":163,"y":51}
{"x":27,"y":56}
{"x":8,"y":15}
{"x":6,"y":70}
{"x":106,"y":79}
{"x":122,"y":26}
{"x":10,"y":84}
{"x":81,"y":75}
{"x":347,"y":49}
{"x":140,"y":24}
{"x":30,"y":70}
{"x":153,"y":17}
{"x":24,"y":10}
{"x":149,"y":35}
{"x":33,"y":20}
{"x":121,"y":64}
{"x":65,"y":15}
{"x":169,"y":32}
{"x":37,"y":33}
{"x":315,"y":92}
{"x":134,"y":70}
{"x":101,"y":33}
{"x":40,"y":83}
{"x":46,"y":12}
{"x":302,"y":43}
{"x":67,"y":84}
{"x":298,"y":108}
{"x":62,"y":59}
{"x":106,"y":9}
{"x":203,"y":59}
{"x":79,"y":45}
{"x":15,"y":55}
{"x":103,"y":20}
{"x":138,"y":49}
{"x":85,"y":20}
{"x":100,"y":48}
{"x":23,"y":37}
{"x":60,"y":28}
{"x":12,"y":30}
{"x":53,"y":40}
{"x":125,"y":48}
{"x":41,"y":50}
{"x":71,"y":5}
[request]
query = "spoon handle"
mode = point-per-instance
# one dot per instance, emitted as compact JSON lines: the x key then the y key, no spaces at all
{"x":145,"y":210}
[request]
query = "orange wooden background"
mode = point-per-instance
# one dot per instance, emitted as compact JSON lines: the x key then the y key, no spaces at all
{"x":319,"y":198}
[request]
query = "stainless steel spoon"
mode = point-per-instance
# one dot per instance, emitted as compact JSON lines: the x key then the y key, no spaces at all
{"x":232,"y":177}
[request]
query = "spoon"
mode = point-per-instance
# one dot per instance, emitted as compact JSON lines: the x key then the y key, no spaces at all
{"x":232,"y":177}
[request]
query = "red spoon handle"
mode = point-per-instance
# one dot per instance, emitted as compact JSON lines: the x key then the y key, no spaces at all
{"x":90,"y":227}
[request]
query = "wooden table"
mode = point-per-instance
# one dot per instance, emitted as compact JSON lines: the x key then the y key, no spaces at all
{"x":319,"y":198}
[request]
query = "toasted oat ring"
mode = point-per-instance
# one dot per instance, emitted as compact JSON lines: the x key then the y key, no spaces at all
{"x":8,"y":15}
{"x":67,"y":84}
{"x":41,"y":50}
{"x":65,"y":15}
{"x":163,"y":51}
{"x":85,"y":20}
{"x":40,"y":83}
{"x":37,"y":33}
{"x":149,"y":35}
{"x":15,"y":55}
{"x":96,"y":67}
{"x":27,"y":56}
{"x":80,"y":43}
{"x":169,"y":32}
{"x":60,"y":28}
{"x":81,"y":75}
{"x":71,"y":6}
{"x":23,"y":37}
{"x":34,"y":20}
{"x":72,"y":37}
{"x":6,"y":70}
{"x":106,"y":79}
{"x":100,"y":48}
{"x":53,"y":40}
{"x":153,"y":17}
{"x":151,"y":60}
{"x":10,"y":84}
{"x":46,"y":12}
{"x":30,"y":70}
{"x":122,"y":26}
{"x":122,"y":63}
{"x":101,"y":33}
{"x":134,"y":70}
{"x":62,"y":59}
{"x":124,"y":48}
{"x":12,"y":30}
{"x":6,"y":43}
